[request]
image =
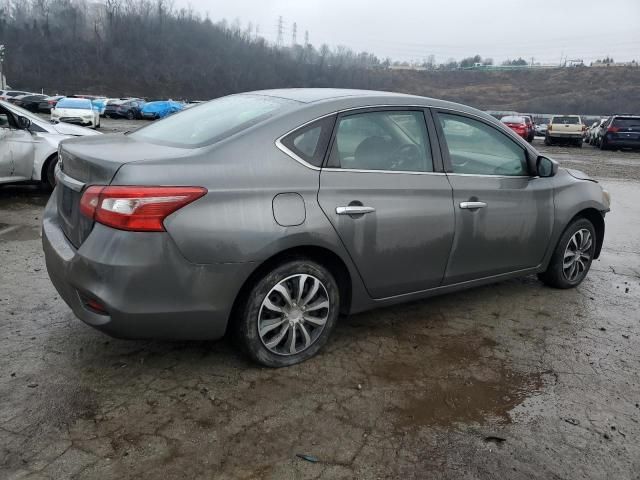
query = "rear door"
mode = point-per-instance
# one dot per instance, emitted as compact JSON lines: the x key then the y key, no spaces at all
{"x":384,"y":191}
{"x":504,"y":215}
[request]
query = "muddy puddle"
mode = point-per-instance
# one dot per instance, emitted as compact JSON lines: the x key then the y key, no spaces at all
{"x":453,"y":379}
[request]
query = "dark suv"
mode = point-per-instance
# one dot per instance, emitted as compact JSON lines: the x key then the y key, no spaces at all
{"x":620,"y":131}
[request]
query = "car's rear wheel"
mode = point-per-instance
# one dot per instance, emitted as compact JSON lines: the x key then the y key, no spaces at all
{"x":572,"y":257}
{"x":289,"y":313}
{"x":130,"y":115}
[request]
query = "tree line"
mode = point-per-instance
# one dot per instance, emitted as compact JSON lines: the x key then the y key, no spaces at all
{"x":144,"y":47}
{"x":148,"y":49}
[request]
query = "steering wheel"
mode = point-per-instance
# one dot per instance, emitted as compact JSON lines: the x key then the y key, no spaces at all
{"x":406,"y":157}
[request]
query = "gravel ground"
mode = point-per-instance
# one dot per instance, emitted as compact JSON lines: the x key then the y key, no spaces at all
{"x":513,"y":380}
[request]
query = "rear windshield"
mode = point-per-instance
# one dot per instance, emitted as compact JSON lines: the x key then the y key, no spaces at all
{"x":212,"y":121}
{"x":512,"y":119}
{"x":566,"y":120}
{"x":79,"y":103}
{"x":626,"y":122}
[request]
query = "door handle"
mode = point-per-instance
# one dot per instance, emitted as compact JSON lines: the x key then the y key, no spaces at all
{"x":354,"y":210}
{"x":472,"y":205}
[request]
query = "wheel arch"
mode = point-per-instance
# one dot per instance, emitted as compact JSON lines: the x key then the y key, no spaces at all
{"x":45,"y":166}
{"x":321,"y":255}
{"x":596,"y":218}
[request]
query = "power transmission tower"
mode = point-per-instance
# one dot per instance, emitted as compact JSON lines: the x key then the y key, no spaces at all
{"x":306,"y":38}
{"x":294,"y":35}
{"x":280,"y":31}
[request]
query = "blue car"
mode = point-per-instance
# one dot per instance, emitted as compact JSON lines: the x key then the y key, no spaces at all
{"x":160,"y":109}
{"x":100,"y":104}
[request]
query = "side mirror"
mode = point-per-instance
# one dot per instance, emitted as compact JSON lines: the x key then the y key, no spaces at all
{"x":24,"y":123}
{"x":546,"y":167}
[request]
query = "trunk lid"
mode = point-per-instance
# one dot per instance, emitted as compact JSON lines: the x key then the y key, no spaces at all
{"x":95,"y":160}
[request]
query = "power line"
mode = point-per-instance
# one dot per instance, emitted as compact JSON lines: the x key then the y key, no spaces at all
{"x":280,"y":40}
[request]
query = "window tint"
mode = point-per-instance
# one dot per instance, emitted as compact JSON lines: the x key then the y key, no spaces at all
{"x":477,"y":148}
{"x":212,"y":121}
{"x":310,"y":142}
{"x":4,"y":120}
{"x":382,"y":141}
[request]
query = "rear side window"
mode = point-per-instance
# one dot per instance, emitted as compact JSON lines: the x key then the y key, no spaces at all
{"x":212,"y":121}
{"x":310,"y":142}
{"x":566,"y":120}
{"x":385,"y":140}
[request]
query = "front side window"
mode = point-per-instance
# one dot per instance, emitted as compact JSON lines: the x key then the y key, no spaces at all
{"x":310,"y":142}
{"x":386,"y":140}
{"x":478,"y":149}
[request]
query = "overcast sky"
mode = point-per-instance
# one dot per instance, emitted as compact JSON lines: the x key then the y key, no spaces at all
{"x":414,"y":29}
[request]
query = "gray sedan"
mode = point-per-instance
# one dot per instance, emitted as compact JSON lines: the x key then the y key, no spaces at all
{"x":268,"y":214}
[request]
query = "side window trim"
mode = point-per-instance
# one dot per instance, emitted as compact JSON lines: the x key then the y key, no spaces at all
{"x":287,"y":151}
{"x":435,"y":149}
{"x":442,"y":142}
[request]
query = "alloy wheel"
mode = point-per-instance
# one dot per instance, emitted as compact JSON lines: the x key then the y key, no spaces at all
{"x":577,"y":255}
{"x":293,"y":314}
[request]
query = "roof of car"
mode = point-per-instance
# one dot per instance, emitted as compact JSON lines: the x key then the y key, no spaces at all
{"x":310,"y":95}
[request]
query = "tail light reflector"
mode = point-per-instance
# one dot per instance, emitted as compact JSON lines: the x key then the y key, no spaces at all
{"x":136,"y":208}
{"x":613,"y":129}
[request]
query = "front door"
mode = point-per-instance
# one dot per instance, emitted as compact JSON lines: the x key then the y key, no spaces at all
{"x":390,"y":206}
{"x":504,"y":215}
{"x":16,"y":149}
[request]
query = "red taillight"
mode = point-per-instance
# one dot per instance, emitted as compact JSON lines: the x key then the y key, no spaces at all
{"x":613,"y":129}
{"x":141,"y":209}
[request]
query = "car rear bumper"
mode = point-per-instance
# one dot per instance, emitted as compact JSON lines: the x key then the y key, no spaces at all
{"x":623,"y":142}
{"x":567,"y":136}
{"x":146,"y":287}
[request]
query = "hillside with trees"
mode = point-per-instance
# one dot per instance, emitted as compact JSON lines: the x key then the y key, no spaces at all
{"x":146,"y":48}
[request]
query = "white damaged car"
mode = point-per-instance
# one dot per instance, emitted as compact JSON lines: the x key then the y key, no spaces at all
{"x":29,"y":145}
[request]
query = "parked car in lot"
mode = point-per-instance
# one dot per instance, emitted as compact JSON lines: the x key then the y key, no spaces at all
{"x":100,"y":104}
{"x":29,"y":102}
{"x":531,"y":126}
{"x":129,"y":109}
{"x":620,"y":131}
{"x":564,"y":129}
{"x":48,"y":103}
{"x":269,"y":213}
{"x":5,"y":95}
{"x":160,"y":109}
{"x":519,"y":125}
{"x":76,"y":110}
{"x":541,"y":129}
{"x":29,"y":145}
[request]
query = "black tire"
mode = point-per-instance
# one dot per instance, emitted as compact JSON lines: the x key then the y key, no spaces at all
{"x":579,"y":144}
{"x":555,"y":275}
{"x":603,"y":145}
{"x":130,"y":115}
{"x":48,"y":180}
{"x":547,"y":141}
{"x":248,"y":316}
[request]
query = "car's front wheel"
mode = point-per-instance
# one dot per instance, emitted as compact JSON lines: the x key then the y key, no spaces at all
{"x":289,"y":313}
{"x":572,"y":257}
{"x":48,"y":180}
